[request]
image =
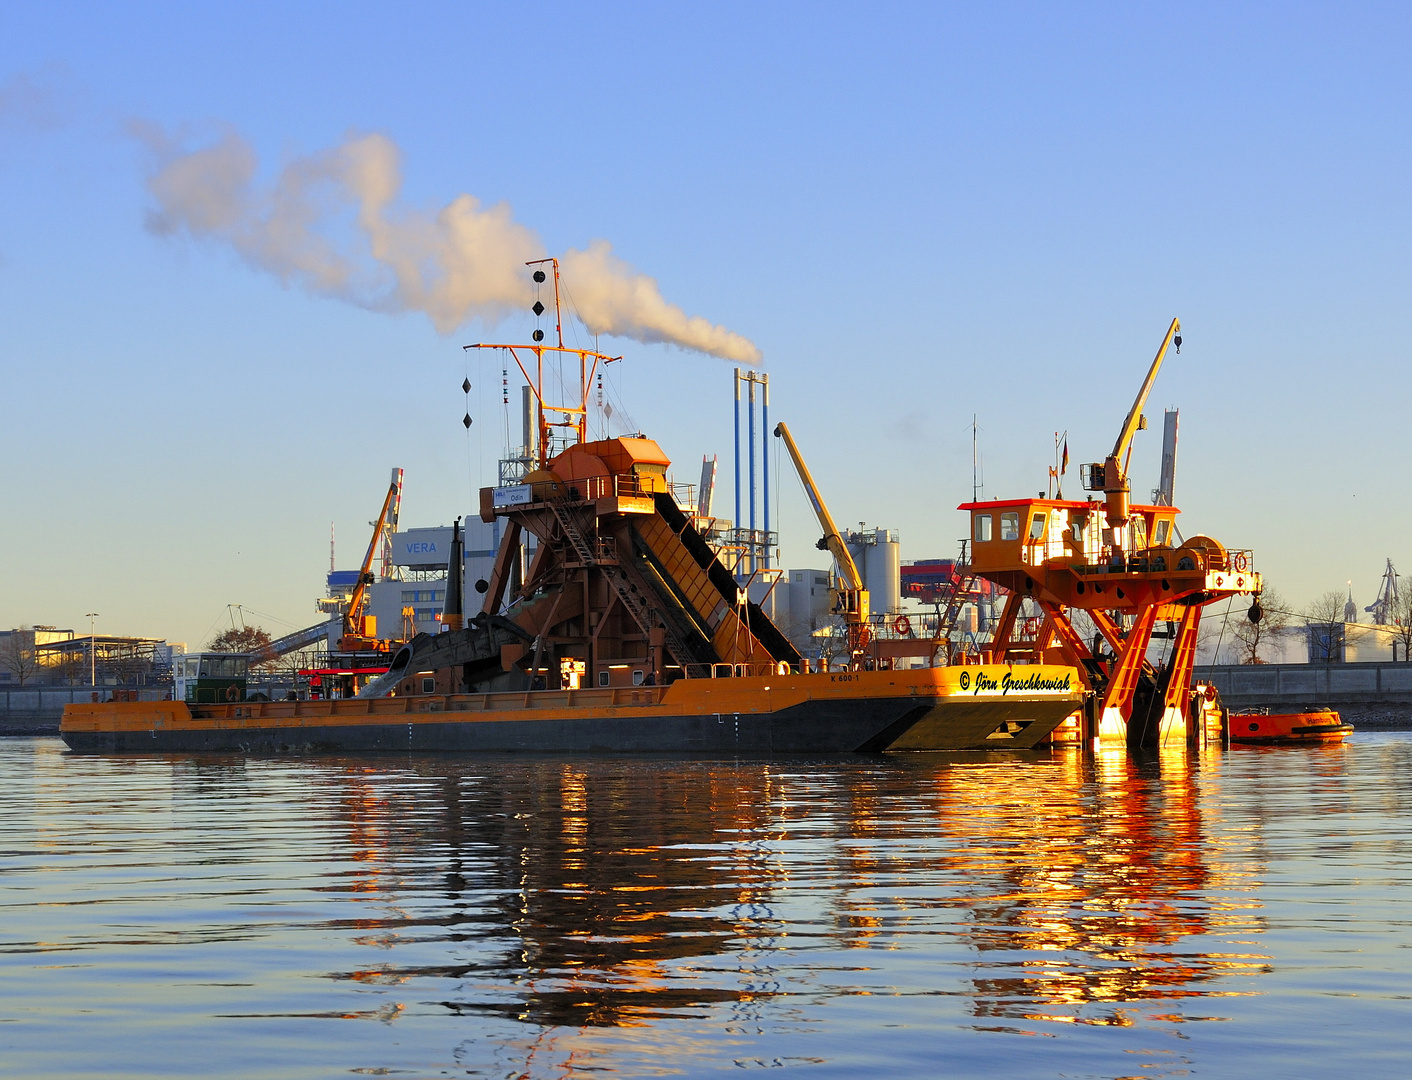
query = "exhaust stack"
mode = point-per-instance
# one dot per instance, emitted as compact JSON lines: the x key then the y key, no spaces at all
{"x":453,"y":615}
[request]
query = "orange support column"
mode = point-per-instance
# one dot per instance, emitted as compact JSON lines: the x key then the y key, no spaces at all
{"x":1004,"y":627}
{"x":1058,"y":625}
{"x":1178,"y":695}
{"x":1118,"y":701}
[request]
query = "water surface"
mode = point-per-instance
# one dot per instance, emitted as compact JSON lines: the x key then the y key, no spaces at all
{"x":1238,"y":914}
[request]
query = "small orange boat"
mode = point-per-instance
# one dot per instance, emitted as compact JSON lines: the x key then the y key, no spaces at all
{"x":1261,"y":729}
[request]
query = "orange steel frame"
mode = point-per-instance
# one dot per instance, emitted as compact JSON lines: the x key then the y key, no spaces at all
{"x":1125,"y":669}
{"x":576,"y":415}
{"x":1116,"y":678}
{"x":1183,"y":659}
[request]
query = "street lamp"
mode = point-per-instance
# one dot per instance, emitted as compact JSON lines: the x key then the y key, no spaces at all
{"x":92,"y":650}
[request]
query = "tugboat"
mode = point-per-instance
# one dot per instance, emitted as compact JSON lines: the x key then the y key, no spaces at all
{"x":626,"y":633}
{"x":1285,"y":729}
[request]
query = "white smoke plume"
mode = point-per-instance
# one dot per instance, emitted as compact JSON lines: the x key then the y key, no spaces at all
{"x":330,"y":223}
{"x":37,"y":101}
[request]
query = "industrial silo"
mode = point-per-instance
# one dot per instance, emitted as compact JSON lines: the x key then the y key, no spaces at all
{"x":884,"y":572}
{"x":879,"y":558}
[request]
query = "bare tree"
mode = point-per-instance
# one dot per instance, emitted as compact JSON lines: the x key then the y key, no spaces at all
{"x":71,"y":667}
{"x":1401,"y":615}
{"x":1251,"y":636}
{"x":17,"y":655}
{"x":1324,"y":618}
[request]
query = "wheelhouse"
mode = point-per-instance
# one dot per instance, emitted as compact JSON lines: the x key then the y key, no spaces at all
{"x":211,"y":678}
{"x":1017,"y":536}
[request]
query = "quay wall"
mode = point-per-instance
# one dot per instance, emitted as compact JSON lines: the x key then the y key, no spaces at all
{"x":1371,"y":695}
{"x":36,"y":710}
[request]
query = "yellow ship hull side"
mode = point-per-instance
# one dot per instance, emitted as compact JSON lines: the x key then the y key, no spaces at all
{"x":1000,"y":707}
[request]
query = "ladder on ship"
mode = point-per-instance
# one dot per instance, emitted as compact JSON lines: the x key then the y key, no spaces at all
{"x":963,"y":585}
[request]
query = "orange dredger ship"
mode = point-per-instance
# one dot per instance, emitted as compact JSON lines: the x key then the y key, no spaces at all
{"x":627,"y":632}
{"x":958,"y":708}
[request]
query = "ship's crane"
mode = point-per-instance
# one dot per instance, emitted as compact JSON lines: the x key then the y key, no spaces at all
{"x":852,"y":597}
{"x":360,"y":628}
{"x":1112,"y":476}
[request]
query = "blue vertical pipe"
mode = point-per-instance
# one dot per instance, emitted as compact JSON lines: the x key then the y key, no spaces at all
{"x":737,"y":448}
{"x":751,"y":409}
{"x":765,"y":460}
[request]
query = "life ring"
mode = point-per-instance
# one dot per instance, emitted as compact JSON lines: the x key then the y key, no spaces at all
{"x":232,"y":692}
{"x":902,"y":625}
{"x":1238,"y":562}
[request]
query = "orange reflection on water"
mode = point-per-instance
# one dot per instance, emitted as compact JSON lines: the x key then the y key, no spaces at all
{"x":1106,"y":867}
{"x":610,"y":894}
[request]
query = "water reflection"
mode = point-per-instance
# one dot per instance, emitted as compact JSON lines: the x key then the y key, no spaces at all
{"x":614,"y":893}
{"x":576,"y":877}
{"x":1117,"y":886}
{"x":534,"y":917}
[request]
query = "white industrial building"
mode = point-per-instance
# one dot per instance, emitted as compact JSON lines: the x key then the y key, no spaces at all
{"x":418,"y":562}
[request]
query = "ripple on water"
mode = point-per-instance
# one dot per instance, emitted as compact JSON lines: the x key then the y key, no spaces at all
{"x":1221,"y":914}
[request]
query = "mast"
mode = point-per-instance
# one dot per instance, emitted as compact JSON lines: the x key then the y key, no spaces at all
{"x":975,"y":486}
{"x":572,"y":416}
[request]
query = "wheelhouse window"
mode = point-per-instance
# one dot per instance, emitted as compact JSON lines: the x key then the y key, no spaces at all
{"x":1010,"y":526}
{"x":982,"y":528}
{"x":1160,"y":533}
{"x":1037,"y":526}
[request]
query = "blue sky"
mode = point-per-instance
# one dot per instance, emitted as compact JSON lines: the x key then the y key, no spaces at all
{"x":917,"y":213}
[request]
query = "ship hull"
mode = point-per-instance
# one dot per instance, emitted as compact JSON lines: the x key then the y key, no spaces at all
{"x":1283,"y":729}
{"x":866,"y":712}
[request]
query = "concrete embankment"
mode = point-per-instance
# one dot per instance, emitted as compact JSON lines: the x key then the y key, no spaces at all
{"x":36,"y":710}
{"x":1366,"y":695}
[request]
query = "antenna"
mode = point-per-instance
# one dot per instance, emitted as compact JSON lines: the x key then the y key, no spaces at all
{"x":975,"y":475}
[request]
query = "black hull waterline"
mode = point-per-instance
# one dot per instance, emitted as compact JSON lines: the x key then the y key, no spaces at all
{"x":814,"y":727}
